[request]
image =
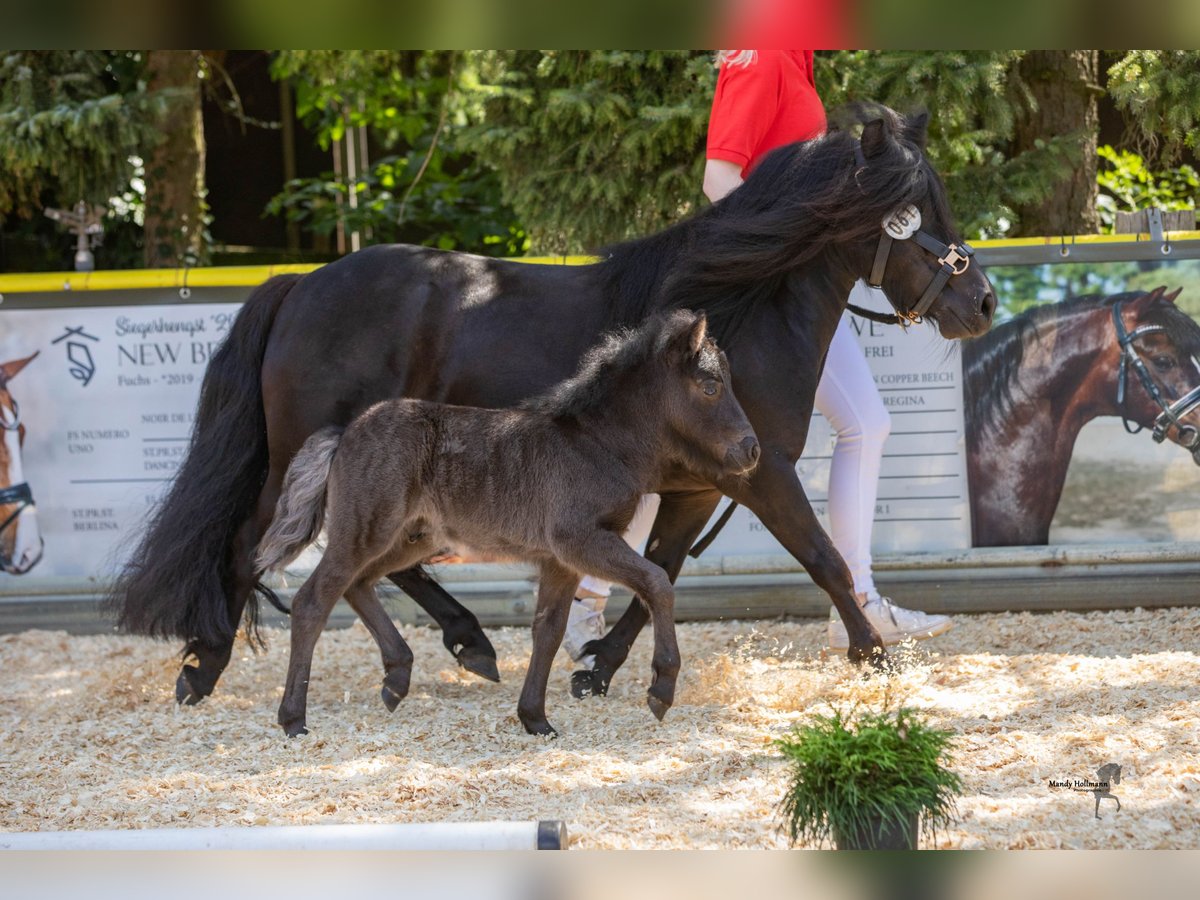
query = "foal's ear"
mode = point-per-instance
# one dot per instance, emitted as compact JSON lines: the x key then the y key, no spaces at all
{"x":12,"y":367}
{"x":875,"y":138}
{"x":698,"y":333}
{"x":916,"y":129}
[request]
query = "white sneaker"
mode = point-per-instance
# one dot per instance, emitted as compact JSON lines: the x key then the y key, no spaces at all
{"x":894,"y":623}
{"x":585,"y":623}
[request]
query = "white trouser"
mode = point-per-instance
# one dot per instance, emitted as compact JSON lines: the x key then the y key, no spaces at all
{"x":848,"y":398}
{"x":635,"y":536}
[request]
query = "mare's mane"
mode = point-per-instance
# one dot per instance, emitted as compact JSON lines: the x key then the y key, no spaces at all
{"x":735,"y":256}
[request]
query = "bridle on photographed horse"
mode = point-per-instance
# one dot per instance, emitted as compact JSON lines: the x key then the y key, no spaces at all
{"x":20,"y":494}
{"x":1172,"y":413}
{"x":901,"y":225}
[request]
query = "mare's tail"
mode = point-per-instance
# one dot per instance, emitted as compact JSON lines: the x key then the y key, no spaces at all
{"x":179,"y":580}
{"x":301,"y":507}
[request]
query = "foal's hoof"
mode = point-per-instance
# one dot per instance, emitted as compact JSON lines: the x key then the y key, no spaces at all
{"x":395,"y":688}
{"x":658,"y":706}
{"x":588,"y":682}
{"x":540,"y":727}
{"x":478,"y":662}
{"x":876,"y":655}
{"x":291,"y":729}
{"x":390,"y":698}
{"x":186,"y":693}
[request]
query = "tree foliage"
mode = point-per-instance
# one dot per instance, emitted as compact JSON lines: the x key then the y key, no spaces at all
{"x":594,"y":146}
{"x":431,"y":187}
{"x":1160,"y":90}
{"x":70,"y":121}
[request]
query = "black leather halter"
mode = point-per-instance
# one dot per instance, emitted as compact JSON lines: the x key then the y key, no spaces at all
{"x":1172,"y":413}
{"x":954,"y":259}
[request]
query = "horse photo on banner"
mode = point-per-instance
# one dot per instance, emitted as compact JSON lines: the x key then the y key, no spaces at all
{"x":1082,"y":405}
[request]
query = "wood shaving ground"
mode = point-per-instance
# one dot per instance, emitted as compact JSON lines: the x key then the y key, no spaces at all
{"x":91,"y":738}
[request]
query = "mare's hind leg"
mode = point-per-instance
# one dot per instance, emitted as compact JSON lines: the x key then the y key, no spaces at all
{"x":556,"y":587}
{"x":198,"y":681}
{"x":681,"y":518}
{"x":461,"y":632}
{"x":396,"y":655}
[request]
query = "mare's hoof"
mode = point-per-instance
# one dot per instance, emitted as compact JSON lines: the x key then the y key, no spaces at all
{"x":588,"y":682}
{"x":876,"y":655}
{"x":291,"y":729}
{"x":658,"y":706}
{"x":478,"y":662}
{"x":186,"y":693}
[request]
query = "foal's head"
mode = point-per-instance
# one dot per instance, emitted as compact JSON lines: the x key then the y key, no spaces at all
{"x":707,"y":429}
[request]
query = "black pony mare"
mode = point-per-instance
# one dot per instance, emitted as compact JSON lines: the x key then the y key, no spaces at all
{"x":1034,"y":382}
{"x":772,"y":264}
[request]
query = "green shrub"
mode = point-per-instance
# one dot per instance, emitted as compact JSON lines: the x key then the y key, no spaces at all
{"x":848,"y":769}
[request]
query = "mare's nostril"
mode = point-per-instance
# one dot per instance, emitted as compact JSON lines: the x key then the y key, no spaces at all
{"x":988,"y":307}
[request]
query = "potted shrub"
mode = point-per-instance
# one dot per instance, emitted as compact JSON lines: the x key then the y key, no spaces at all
{"x":866,"y":779}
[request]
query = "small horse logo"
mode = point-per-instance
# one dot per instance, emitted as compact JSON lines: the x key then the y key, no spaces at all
{"x":1107,"y":775}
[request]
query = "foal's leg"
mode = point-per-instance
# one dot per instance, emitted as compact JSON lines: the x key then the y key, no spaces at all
{"x":310,"y":612}
{"x":556,"y":588}
{"x":605,"y":554}
{"x":397,"y":657}
{"x":197,"y":682}
{"x":681,"y":518}
{"x":461,"y":632}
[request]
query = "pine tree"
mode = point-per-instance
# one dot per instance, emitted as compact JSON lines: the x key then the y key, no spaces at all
{"x":594,"y":146}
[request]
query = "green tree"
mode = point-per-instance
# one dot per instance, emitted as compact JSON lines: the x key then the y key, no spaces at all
{"x":70,"y":121}
{"x":594,"y":146}
{"x":430,"y":187}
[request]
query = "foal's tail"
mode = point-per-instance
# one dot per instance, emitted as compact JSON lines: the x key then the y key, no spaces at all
{"x":301,"y":507}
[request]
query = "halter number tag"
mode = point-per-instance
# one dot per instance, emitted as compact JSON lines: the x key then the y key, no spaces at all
{"x":903,"y":223}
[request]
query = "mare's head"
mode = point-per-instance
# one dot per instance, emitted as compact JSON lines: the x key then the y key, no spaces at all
{"x":874,"y":207}
{"x":1160,"y":353}
{"x":707,"y":428}
{"x":20,"y":540}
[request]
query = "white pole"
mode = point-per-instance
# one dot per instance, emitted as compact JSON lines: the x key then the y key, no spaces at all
{"x":544,"y":835}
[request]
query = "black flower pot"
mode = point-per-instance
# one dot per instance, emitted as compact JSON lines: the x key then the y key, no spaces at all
{"x":876,"y":834}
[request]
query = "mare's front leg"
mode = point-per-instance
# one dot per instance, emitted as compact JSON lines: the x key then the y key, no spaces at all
{"x":681,"y":518}
{"x":605,"y":554}
{"x":461,"y":632}
{"x":397,"y":656}
{"x":775,"y":495}
{"x":310,"y":611}
{"x":556,"y":588}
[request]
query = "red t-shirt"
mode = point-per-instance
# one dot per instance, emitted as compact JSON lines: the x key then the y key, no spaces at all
{"x":757,"y":107}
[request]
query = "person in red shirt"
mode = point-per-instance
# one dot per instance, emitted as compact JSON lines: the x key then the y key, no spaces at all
{"x":764,"y":99}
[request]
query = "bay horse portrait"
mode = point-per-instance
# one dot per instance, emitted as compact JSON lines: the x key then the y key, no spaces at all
{"x":553,"y":482}
{"x":772,"y":266}
{"x":1033,"y":382}
{"x":21,"y":543}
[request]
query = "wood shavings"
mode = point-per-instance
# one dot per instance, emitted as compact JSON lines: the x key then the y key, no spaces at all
{"x":90,"y":736}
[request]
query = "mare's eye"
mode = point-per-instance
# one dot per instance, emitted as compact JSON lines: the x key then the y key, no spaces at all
{"x":710,"y":388}
{"x":1164,"y":363}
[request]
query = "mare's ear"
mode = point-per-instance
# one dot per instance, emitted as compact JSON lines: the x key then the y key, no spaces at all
{"x":875,"y":138}
{"x":12,"y":367}
{"x":916,"y":129}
